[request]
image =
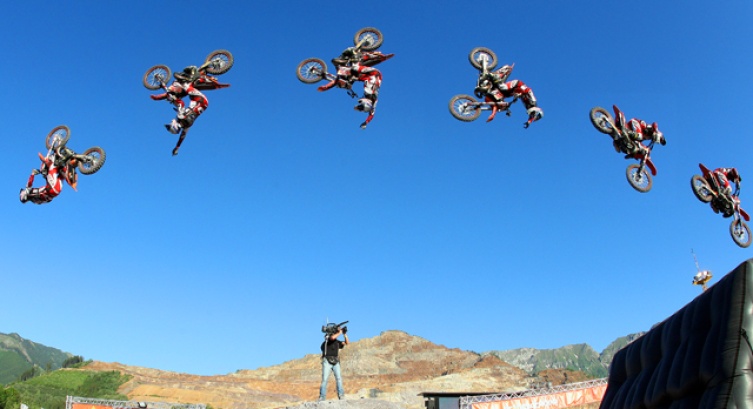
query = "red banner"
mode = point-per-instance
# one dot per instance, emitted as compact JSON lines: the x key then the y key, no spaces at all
{"x":552,"y":401}
{"x":78,"y":405}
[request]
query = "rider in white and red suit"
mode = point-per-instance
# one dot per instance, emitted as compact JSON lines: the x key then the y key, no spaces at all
{"x":639,"y":130}
{"x":181,"y":87}
{"x":723,"y":176}
{"x":53,"y":187}
{"x":372,"y":80}
{"x":515,"y":88}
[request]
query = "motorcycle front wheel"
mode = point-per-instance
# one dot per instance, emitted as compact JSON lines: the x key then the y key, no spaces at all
{"x":640,"y":181}
{"x":58,"y":136}
{"x":463,"y":107}
{"x":740,"y":233}
{"x":156,"y":77}
{"x":701,"y":188}
{"x":311,"y":70}
{"x":371,"y":37}
{"x":479,"y":54}
{"x":601,"y":120}
{"x":220,"y":62}
{"x":95,"y":159}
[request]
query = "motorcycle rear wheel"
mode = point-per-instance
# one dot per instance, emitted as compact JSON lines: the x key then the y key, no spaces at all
{"x":601,"y":120}
{"x":156,"y":77}
{"x":701,"y":189}
{"x":642,"y":181}
{"x":311,"y":70}
{"x":224,"y":62}
{"x":58,"y":136}
{"x":460,"y":110}
{"x":740,"y":233}
{"x":97,"y":156}
{"x":373,"y":36}
{"x":479,"y":52}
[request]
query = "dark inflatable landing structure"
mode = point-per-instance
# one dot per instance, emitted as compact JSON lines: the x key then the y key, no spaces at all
{"x":700,"y":357}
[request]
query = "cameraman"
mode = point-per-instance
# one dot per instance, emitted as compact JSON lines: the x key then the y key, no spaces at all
{"x":331,"y":361}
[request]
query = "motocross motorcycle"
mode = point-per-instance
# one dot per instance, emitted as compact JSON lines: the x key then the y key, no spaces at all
{"x":217,"y":63}
{"x":638,"y":175}
{"x":366,"y":41}
{"x":88,"y":163}
{"x":707,"y":189}
{"x":466,"y":108}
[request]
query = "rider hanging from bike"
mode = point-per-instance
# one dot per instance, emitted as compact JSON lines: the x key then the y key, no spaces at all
{"x":495,"y":85}
{"x":723,"y":176}
{"x":371,"y":77}
{"x":184,"y":86}
{"x":54,"y":184}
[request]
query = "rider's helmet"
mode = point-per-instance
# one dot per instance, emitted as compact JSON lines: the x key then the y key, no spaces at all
{"x":189,"y":74}
{"x":535,"y":113}
{"x":364,"y":105}
{"x":658,"y":135}
{"x":24,"y":195}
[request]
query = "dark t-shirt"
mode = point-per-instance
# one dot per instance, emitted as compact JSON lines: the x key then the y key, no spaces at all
{"x":332,"y":347}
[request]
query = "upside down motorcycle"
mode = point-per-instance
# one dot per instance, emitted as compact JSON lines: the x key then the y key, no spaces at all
{"x":67,"y":160}
{"x":638,"y":175}
{"x":366,"y":41}
{"x":217,"y":63}
{"x":467,"y":108}
{"x":708,"y":190}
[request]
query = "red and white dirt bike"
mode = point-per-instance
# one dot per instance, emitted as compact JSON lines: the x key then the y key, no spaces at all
{"x":707,"y":189}
{"x":366,"y":41}
{"x":88,"y":163}
{"x":216,"y":63}
{"x":637,"y":174}
{"x":466,"y":108}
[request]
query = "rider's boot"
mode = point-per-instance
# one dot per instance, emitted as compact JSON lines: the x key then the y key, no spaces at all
{"x":327,"y":86}
{"x":494,"y":113}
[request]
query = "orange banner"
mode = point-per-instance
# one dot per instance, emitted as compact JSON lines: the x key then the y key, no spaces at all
{"x":553,"y":401}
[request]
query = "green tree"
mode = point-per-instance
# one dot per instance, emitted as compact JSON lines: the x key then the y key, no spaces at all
{"x":9,"y":398}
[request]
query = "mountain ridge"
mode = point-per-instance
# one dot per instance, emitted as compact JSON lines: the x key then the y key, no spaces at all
{"x":393,"y":366}
{"x":19,"y":355}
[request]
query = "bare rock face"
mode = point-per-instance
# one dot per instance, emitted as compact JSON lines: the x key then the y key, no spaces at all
{"x":386,"y":371}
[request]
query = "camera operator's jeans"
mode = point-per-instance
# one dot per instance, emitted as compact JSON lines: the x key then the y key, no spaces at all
{"x":326,"y":367}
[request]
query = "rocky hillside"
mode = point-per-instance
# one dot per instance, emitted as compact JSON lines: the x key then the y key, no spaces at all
{"x":18,"y":355}
{"x":392,"y":367}
{"x":579,"y":357}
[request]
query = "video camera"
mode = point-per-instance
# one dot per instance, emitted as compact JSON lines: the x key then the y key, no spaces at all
{"x":332,"y":328}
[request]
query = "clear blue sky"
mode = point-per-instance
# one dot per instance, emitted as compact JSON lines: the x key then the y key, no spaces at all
{"x":280,"y":212}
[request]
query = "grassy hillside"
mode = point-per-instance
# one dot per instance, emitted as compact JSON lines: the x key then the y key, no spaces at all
{"x":48,"y":391}
{"x":12,"y":365}
{"x":18,"y":355}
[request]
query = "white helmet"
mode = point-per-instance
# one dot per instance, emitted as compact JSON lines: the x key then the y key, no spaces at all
{"x":364,"y":105}
{"x":24,"y":195}
{"x":535,"y":111}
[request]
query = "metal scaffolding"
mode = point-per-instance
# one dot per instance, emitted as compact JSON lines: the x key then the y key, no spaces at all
{"x":120,"y":404}
{"x":466,"y":402}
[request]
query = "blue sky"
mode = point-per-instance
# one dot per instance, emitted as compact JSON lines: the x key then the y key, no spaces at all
{"x":280,"y":212}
